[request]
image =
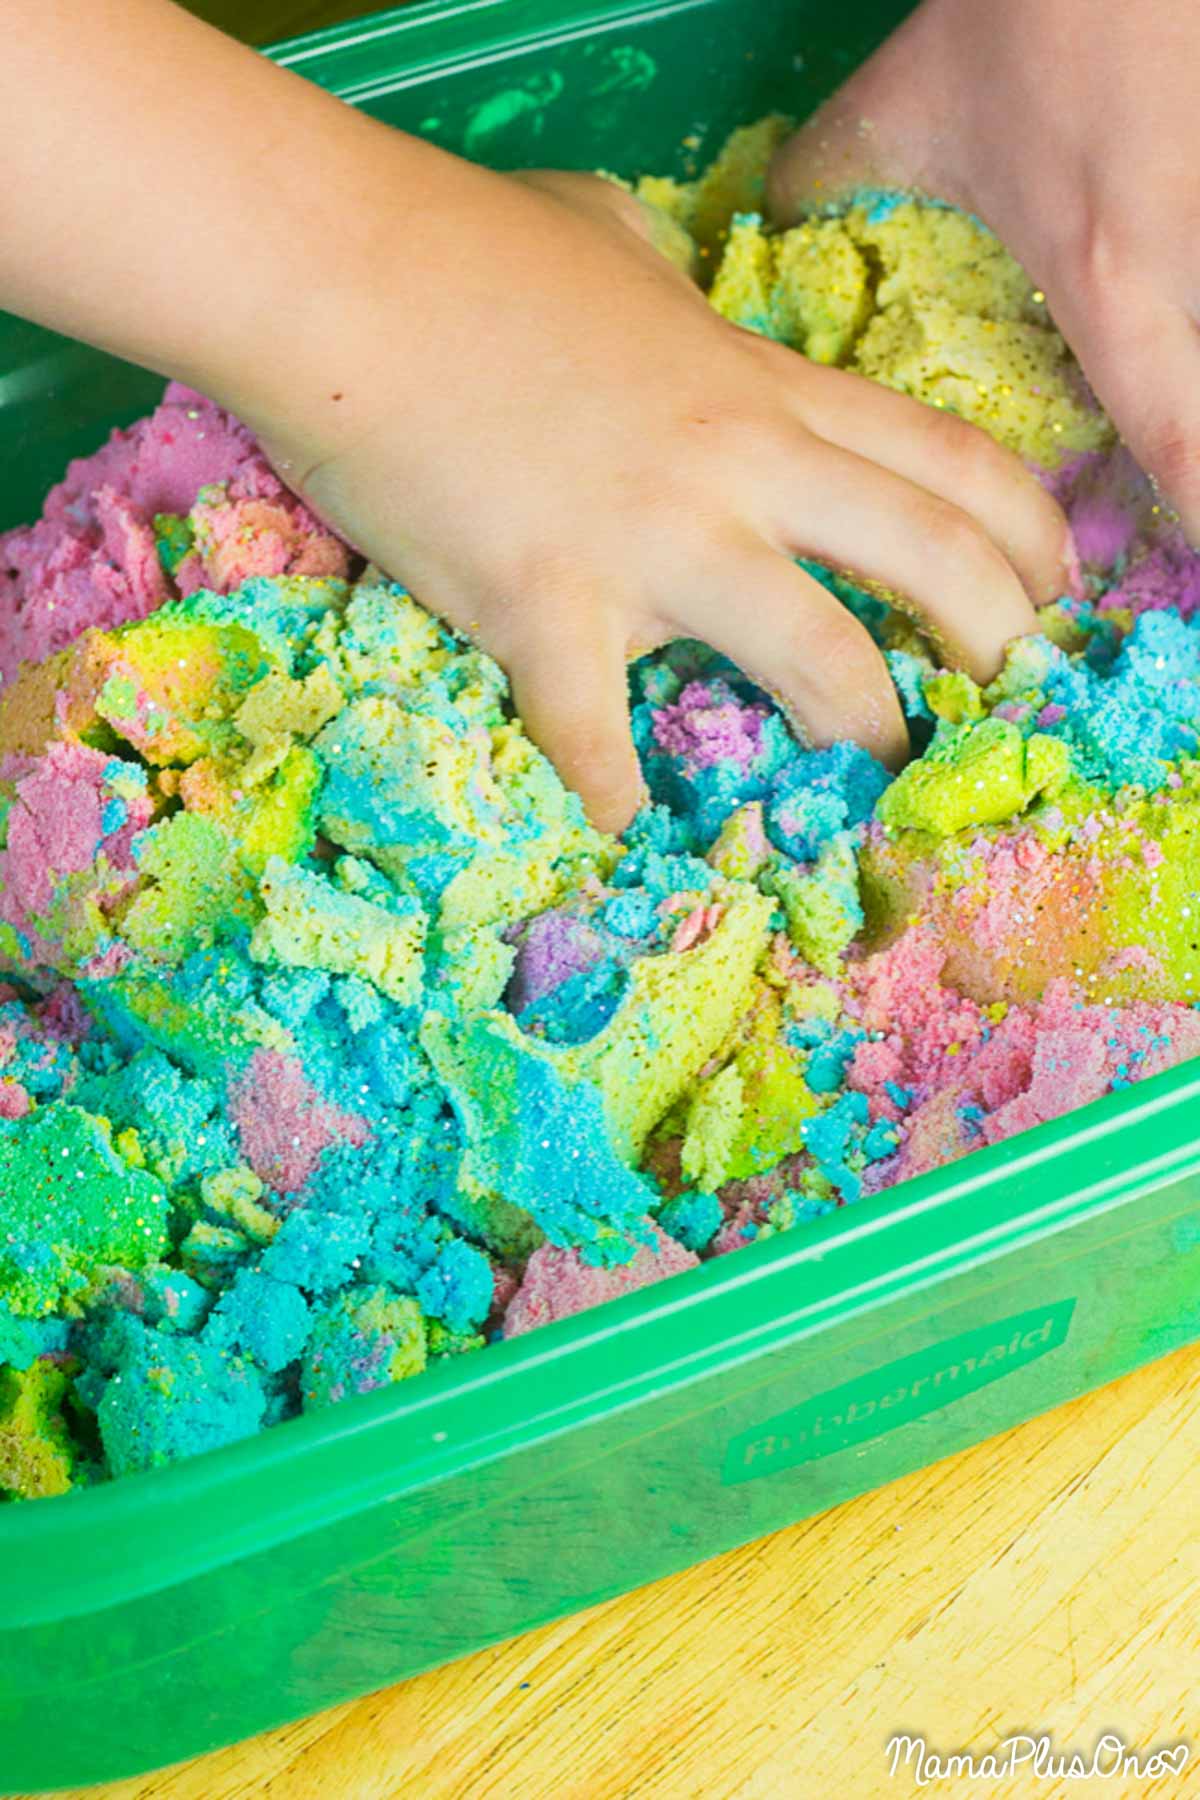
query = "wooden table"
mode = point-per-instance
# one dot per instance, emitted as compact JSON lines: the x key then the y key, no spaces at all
{"x":1046,"y":1580}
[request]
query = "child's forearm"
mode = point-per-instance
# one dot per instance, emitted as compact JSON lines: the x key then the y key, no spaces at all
{"x":175,"y":198}
{"x":496,"y":388}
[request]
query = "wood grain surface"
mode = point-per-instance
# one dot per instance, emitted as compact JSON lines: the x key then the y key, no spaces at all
{"x":1048,"y":1580}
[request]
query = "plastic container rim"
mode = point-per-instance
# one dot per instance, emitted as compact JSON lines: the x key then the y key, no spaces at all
{"x":975,"y":1202}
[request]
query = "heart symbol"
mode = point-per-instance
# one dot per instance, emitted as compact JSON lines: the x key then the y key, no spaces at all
{"x":1176,"y":1759}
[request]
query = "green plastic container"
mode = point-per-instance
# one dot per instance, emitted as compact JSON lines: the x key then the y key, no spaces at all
{"x":176,"y":1611}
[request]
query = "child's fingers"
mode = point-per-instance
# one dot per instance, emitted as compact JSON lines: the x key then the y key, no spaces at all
{"x":801,"y":645}
{"x":953,"y":459}
{"x":571,"y":693}
{"x":1141,"y":353}
{"x":858,"y":517}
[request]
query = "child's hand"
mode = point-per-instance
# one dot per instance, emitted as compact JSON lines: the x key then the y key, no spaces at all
{"x":496,"y":387}
{"x":1074,"y":132}
{"x":572,"y":458}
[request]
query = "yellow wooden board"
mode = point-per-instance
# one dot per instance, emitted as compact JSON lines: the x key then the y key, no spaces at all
{"x":1048,"y":1580}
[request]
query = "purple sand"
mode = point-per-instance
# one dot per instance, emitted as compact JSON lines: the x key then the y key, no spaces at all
{"x":707,"y":726}
{"x":550,"y":949}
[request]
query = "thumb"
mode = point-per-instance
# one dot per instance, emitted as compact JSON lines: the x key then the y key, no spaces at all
{"x":887,"y":126}
{"x":826,"y":160}
{"x":1141,"y":354}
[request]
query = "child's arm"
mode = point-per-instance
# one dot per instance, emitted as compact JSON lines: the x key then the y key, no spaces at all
{"x":1072,"y":127}
{"x":495,"y":387}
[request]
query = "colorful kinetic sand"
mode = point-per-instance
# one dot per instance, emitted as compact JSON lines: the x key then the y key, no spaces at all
{"x":334,"y":1041}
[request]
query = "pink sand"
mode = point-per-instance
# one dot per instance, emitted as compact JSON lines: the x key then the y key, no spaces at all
{"x":708,"y":725}
{"x":284,"y":1124}
{"x":55,"y":828}
{"x":92,"y":560}
{"x":556,"y":1283}
{"x":1035,"y":1064}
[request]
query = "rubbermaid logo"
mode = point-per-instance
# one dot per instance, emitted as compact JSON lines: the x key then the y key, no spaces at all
{"x":896,"y":1393}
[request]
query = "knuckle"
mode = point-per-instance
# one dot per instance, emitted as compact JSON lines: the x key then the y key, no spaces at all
{"x":829,"y":638}
{"x":975,"y":458}
{"x":1097,"y":249}
{"x":1101,"y":261}
{"x":1170,"y":448}
{"x":951,"y":537}
{"x":586,"y":736}
{"x":547,"y":579}
{"x":780,"y":362}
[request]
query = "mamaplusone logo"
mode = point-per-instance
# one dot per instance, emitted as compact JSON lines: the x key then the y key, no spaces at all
{"x":1110,"y":1758}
